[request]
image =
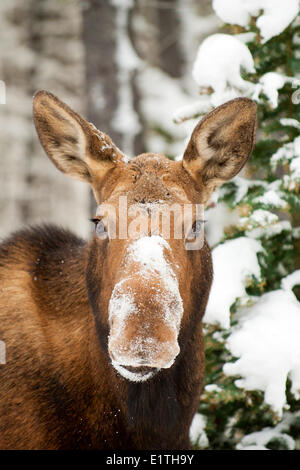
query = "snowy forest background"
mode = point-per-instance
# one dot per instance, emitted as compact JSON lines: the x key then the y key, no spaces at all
{"x":144,"y":72}
{"x":106,"y":62}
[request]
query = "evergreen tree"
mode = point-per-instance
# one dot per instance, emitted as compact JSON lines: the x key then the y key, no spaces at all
{"x":266,"y":199}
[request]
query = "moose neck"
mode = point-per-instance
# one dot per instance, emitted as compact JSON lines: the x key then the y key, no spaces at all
{"x":156,"y":413}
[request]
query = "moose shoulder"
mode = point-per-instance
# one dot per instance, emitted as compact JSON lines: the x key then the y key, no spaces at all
{"x":104,"y":345}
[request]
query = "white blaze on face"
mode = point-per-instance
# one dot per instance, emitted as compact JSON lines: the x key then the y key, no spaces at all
{"x":121,"y":305}
{"x":148,"y":255}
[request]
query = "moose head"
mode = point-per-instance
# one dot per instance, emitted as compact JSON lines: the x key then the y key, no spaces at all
{"x":146,"y":289}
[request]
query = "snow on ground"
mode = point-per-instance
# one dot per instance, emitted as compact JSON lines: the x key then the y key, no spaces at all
{"x":234,"y":262}
{"x":198,"y":435}
{"x":266,"y":343}
{"x":273,"y":20}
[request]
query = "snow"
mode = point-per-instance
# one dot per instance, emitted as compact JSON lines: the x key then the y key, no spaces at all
{"x":291,"y":281}
{"x":218,"y":219}
{"x":146,"y":259}
{"x":270,"y":231}
{"x":259,"y":440}
{"x":275,"y":19}
{"x":234,"y":262}
{"x":271,"y":22}
{"x":212,"y":388}
{"x":270,"y":83}
{"x":295,"y":167}
{"x":246,"y":37}
{"x":253,"y":447}
{"x":243,"y":186}
{"x":162,"y":96}
{"x":286,"y":152}
{"x":198,"y":435}
{"x":193,"y":110}
{"x":290,"y":122}
{"x":259,"y":218}
{"x":272,"y":198}
{"x":276,"y":355}
{"x":193,"y":27}
{"x":289,"y":153}
{"x":123,"y":303}
{"x":265,"y":341}
{"x":148,"y":252}
{"x":2,"y":92}
{"x":218,"y":65}
{"x":233,"y":12}
{"x":296,"y":232}
{"x":125,"y":120}
{"x":132,"y":376}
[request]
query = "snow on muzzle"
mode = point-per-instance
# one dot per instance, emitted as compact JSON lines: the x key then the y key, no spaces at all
{"x":145,"y":312}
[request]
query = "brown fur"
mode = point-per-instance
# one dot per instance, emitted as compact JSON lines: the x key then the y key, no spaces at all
{"x":224,"y":140}
{"x":58,"y":389}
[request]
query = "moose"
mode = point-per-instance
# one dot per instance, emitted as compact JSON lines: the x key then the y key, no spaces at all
{"x":104,"y":342}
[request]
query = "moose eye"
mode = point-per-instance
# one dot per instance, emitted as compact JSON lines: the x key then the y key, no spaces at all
{"x":100,"y":228}
{"x":196,"y":229}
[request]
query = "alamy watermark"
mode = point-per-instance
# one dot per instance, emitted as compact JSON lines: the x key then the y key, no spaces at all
{"x":170,"y":221}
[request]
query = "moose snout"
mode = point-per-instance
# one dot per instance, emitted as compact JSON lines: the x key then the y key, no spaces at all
{"x":144,"y":318}
{"x":143,"y":352}
{"x":139,"y":346}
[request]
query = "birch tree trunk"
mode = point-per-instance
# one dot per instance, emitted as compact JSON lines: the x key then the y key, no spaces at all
{"x":111,"y":66}
{"x":40,"y":49}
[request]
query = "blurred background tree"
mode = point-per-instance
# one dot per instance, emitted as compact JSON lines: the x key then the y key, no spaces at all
{"x":122,"y":64}
{"x":251,"y":397}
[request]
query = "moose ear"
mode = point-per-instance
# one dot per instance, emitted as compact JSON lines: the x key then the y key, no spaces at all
{"x":74,"y":145}
{"x":221,"y":143}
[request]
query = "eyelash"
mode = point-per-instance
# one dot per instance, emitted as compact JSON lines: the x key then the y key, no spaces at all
{"x":199,"y":221}
{"x":95,"y":220}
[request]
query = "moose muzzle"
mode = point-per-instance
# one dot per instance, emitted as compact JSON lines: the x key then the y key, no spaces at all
{"x":145,"y":312}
